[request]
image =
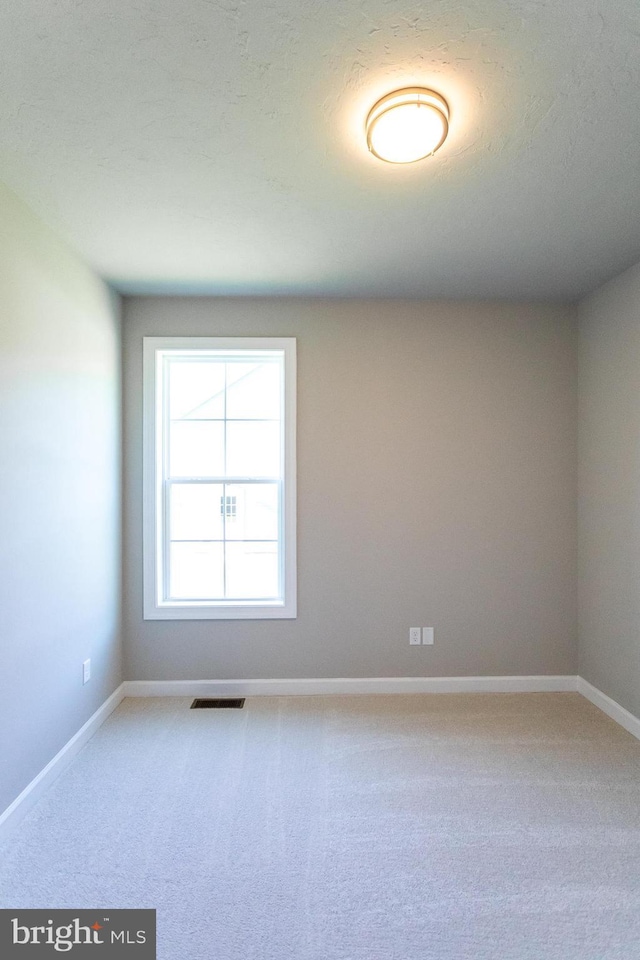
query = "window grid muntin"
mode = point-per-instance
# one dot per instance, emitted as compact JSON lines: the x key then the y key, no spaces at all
{"x":225,"y":357}
{"x":224,"y":488}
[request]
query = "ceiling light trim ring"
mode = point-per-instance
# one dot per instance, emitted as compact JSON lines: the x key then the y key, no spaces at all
{"x":408,"y":96}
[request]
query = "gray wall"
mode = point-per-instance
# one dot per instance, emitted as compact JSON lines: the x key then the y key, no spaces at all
{"x":60,"y":492}
{"x":609,"y":489}
{"x":437,"y":486}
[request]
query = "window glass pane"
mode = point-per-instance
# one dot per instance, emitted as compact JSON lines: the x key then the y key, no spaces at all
{"x":253,"y":449}
{"x":196,"y":389}
{"x":252,"y":511}
{"x":252,"y":571}
{"x":196,"y":449}
{"x":195,"y":511}
{"x":196,"y":571}
{"x":253,"y":391}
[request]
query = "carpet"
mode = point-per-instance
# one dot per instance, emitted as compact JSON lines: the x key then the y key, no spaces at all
{"x":423,"y":827}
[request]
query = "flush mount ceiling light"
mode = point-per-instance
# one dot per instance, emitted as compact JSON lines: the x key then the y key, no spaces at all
{"x":407,"y":125}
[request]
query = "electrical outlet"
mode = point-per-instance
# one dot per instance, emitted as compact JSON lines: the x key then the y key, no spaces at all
{"x":86,"y":671}
{"x":427,"y":636}
{"x":414,"y":636}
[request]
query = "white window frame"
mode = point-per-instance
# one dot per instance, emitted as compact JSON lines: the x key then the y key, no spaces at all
{"x":156,"y":606}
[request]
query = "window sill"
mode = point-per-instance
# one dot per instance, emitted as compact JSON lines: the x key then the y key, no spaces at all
{"x":208,"y":611}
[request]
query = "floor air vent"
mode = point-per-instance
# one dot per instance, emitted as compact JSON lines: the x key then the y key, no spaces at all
{"x":227,"y":703}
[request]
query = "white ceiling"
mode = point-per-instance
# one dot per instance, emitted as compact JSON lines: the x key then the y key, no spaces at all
{"x":217,"y":145}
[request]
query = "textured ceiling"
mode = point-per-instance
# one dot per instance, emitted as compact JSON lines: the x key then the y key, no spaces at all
{"x":217,"y":145}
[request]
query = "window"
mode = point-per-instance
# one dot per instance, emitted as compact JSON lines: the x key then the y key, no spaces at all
{"x":219,"y":478}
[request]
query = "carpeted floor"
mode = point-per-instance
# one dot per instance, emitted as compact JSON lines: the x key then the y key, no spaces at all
{"x":444,"y":827}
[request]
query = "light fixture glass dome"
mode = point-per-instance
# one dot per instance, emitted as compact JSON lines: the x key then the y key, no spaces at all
{"x":407,"y":125}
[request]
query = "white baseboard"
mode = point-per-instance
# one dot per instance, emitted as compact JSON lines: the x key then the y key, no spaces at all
{"x":612,"y":709}
{"x":349,"y":685}
{"x":34,"y":790}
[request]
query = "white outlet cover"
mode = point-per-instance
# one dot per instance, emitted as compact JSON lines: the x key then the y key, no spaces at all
{"x":427,"y":636}
{"x":414,"y":636}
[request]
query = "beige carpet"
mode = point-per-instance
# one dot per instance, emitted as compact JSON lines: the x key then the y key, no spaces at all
{"x":443,"y":827}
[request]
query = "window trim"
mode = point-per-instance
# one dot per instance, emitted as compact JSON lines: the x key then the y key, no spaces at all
{"x":154,"y":608}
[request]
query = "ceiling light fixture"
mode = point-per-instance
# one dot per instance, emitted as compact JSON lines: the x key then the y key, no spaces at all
{"x":407,"y":125}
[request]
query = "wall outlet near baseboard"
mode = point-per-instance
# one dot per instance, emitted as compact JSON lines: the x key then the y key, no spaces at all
{"x":427,"y":636}
{"x":86,"y":671}
{"x":414,"y":636}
